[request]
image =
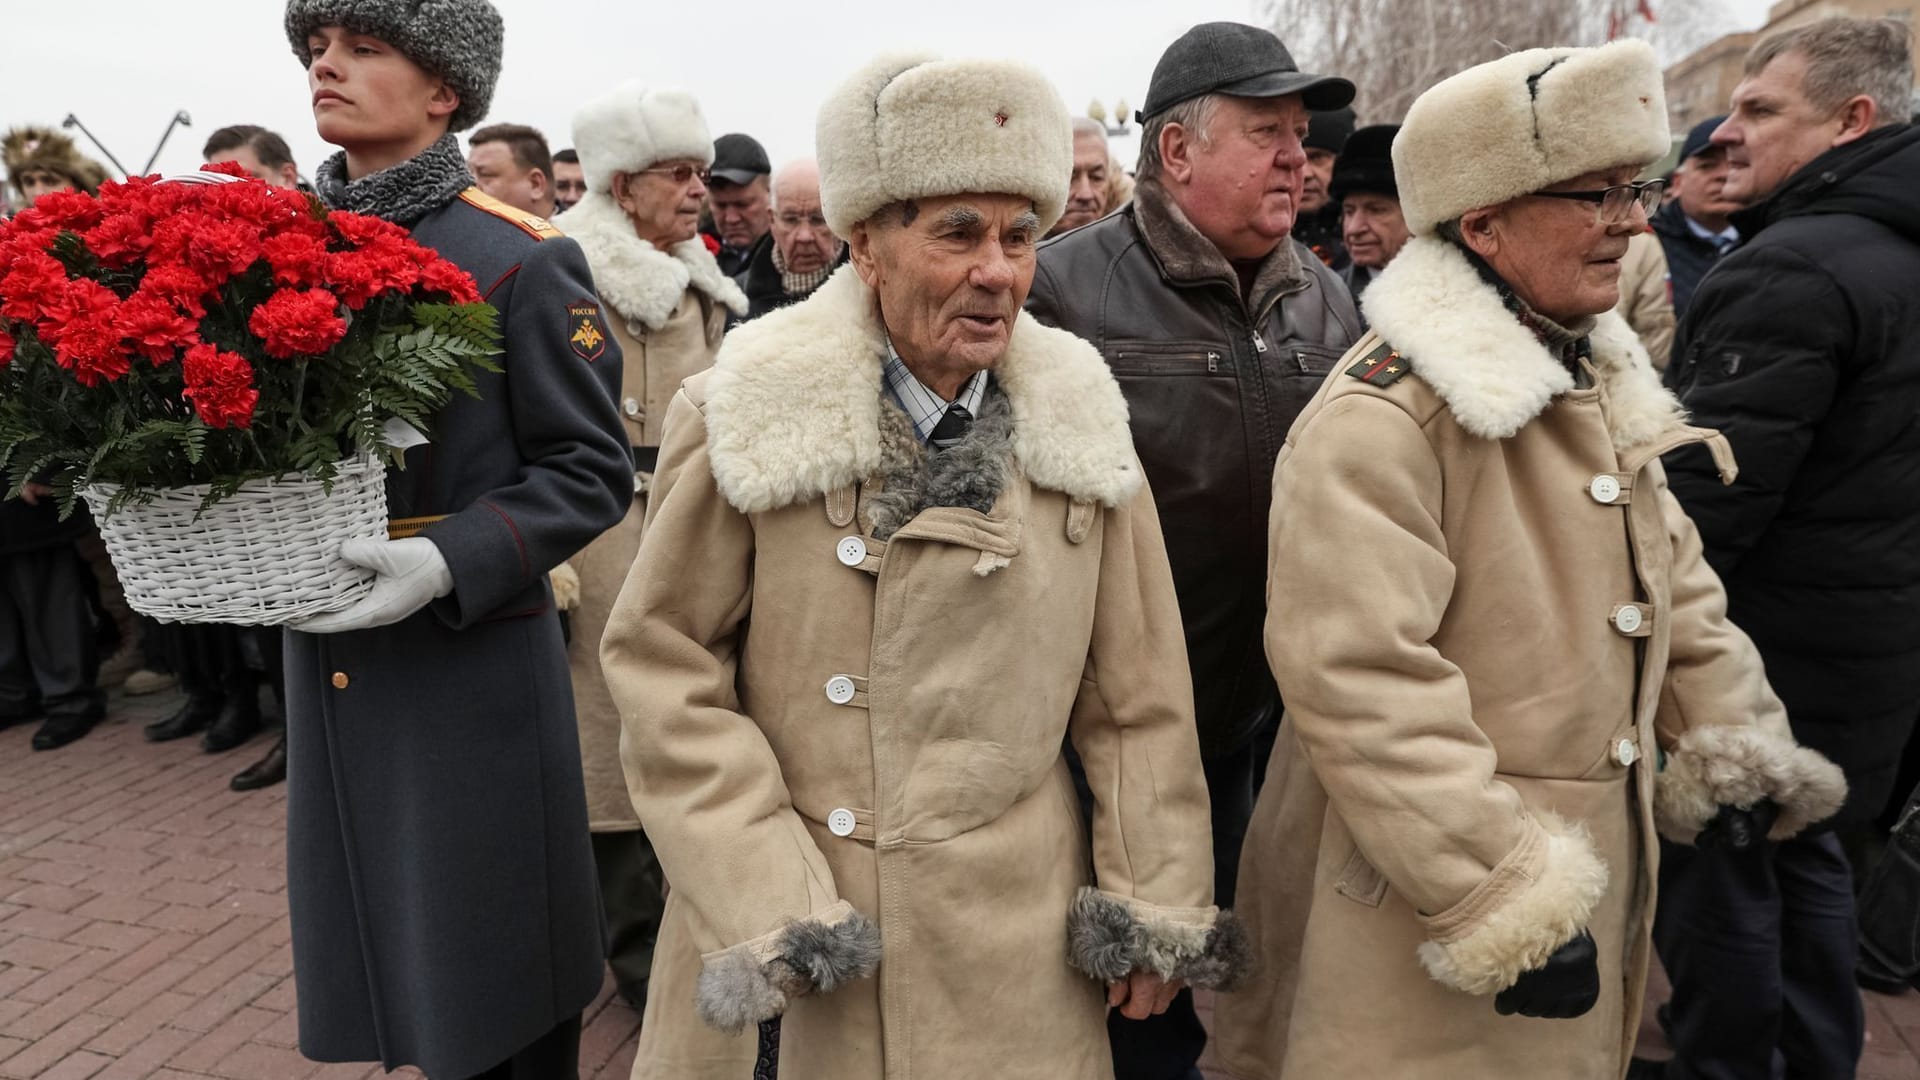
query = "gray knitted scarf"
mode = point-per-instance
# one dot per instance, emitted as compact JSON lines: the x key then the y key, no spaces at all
{"x":403,"y":194}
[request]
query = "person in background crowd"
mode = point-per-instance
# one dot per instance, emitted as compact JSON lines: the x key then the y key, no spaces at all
{"x":644,"y":153}
{"x":510,"y":162}
{"x":1803,"y":344}
{"x":801,"y":250}
{"x":1319,"y":223}
{"x":262,"y":153}
{"x":569,"y":183}
{"x":1371,"y":225}
{"x":1646,"y":296}
{"x":1696,"y":226}
{"x":1447,"y":873}
{"x":739,"y":198}
{"x":1087,"y":191}
{"x":1213,"y":321}
{"x":49,"y":661}
{"x":440,"y":877}
{"x":40,"y":160}
{"x":880,"y":761}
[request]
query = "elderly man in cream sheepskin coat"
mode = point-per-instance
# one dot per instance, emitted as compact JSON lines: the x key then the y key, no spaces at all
{"x":1505,"y":663}
{"x":898,"y":550}
{"x":644,"y":153}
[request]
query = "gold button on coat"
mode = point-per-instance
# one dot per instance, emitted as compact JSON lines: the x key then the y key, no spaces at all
{"x":340,"y":680}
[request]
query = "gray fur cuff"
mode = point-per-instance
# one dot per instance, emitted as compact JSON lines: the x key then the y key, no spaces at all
{"x":1109,"y":937}
{"x":1738,"y":765}
{"x":755,"y":980}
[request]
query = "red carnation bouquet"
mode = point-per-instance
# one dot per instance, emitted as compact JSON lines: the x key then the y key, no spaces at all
{"x":218,"y":333}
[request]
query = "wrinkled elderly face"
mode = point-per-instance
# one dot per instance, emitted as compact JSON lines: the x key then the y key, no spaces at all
{"x":740,"y":212}
{"x":800,"y":231}
{"x":664,"y":208}
{"x":1241,"y":184}
{"x":37,"y":182}
{"x":498,"y":173}
{"x":1087,"y":190}
{"x":1773,"y":129}
{"x":1558,"y":256}
{"x":952,"y":273}
{"x":1373,"y":228}
{"x":1315,"y":178}
{"x":366,"y":93}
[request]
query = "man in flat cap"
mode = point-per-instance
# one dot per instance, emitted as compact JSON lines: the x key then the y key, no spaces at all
{"x":439,"y":872}
{"x":1219,"y":328}
{"x":899,"y":548}
{"x":1506,"y":663}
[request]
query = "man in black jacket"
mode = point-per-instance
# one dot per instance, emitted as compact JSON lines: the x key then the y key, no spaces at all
{"x":48,"y":662}
{"x":1803,"y":347}
{"x":1695,"y":227}
{"x":1220,"y":328}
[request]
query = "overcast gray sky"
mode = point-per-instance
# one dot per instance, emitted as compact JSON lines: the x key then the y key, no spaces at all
{"x":761,"y":66}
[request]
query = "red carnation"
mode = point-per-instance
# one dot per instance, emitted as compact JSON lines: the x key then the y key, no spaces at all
{"x":36,"y":282}
{"x":68,"y":210}
{"x":298,"y":323}
{"x":227,"y":168}
{"x":154,"y":327}
{"x":297,"y":258}
{"x":120,"y":240}
{"x":220,"y":385}
{"x":179,"y":286}
{"x":441,"y":276}
{"x":361,"y":230}
{"x":359,"y":276}
{"x":224,"y":249}
{"x":6,"y":347}
{"x":81,"y":329}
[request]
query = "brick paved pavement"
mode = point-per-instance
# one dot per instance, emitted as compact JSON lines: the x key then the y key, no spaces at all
{"x":143,"y":924}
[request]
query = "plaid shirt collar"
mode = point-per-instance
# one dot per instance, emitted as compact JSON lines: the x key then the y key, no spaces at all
{"x":922,"y":405}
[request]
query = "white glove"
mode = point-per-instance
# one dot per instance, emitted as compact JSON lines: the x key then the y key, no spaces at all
{"x":412,"y":574}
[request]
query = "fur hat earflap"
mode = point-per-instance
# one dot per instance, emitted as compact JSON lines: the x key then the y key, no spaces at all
{"x":915,"y":126}
{"x":1526,"y":121}
{"x":460,"y":41}
{"x":27,"y":149}
{"x":634,"y":127}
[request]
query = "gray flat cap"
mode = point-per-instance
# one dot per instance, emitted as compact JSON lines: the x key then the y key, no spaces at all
{"x":458,"y":40}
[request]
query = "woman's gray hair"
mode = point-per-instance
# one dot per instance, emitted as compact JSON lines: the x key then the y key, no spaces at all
{"x":1847,"y":58}
{"x":1194,"y":114}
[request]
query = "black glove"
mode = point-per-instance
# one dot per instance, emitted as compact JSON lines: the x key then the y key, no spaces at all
{"x":1564,"y":987}
{"x":1738,"y":829}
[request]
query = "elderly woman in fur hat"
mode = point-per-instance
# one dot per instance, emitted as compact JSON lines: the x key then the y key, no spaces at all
{"x":645,"y":154}
{"x":898,"y":550}
{"x":1505,"y":663}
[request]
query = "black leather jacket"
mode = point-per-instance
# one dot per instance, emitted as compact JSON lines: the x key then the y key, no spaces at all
{"x":1213,"y":383}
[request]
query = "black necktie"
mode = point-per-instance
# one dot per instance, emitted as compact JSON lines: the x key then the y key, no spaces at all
{"x":951,"y":428}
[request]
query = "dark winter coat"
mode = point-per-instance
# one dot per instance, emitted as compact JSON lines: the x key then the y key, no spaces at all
{"x":445,"y":907}
{"x":761,"y":281}
{"x":1803,"y":347}
{"x":1212,"y":383}
{"x":33,"y":528}
{"x":1689,"y":255}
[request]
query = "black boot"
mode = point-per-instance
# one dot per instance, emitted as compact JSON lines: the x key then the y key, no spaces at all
{"x":237,"y":723}
{"x":58,"y":731}
{"x":199,"y":711}
{"x":266,"y":772}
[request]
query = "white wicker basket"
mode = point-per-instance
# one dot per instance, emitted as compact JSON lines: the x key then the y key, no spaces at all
{"x":267,"y":555}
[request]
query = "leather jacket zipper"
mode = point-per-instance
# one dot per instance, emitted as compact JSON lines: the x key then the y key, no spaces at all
{"x":1213,"y":362}
{"x":1259,"y":343}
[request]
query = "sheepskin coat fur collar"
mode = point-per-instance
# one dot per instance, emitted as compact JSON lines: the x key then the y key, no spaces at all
{"x":1489,"y":368}
{"x":639,"y":280}
{"x":794,"y":405}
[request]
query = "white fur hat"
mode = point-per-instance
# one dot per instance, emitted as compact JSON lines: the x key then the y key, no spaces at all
{"x":916,"y":126}
{"x":634,"y":127}
{"x":1525,"y":121}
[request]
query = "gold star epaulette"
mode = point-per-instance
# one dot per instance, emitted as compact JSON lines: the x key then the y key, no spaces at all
{"x":1383,"y":366}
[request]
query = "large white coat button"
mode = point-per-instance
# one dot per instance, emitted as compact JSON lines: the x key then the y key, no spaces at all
{"x":631,"y":407}
{"x":840,"y":822}
{"x":852,"y":551}
{"x":1626,"y":753}
{"x":1627,"y":619}
{"x":1605,"y":488}
{"x":839,"y":689}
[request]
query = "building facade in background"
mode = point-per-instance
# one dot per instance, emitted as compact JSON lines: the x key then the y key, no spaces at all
{"x":1701,"y":85}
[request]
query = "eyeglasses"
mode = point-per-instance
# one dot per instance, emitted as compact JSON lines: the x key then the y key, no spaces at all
{"x":1616,"y":203}
{"x":681,"y":173}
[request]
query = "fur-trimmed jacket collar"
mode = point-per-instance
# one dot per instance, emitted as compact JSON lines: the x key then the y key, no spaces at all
{"x":639,"y":280}
{"x":1491,"y":370}
{"x":793,"y":405}
{"x":1188,"y":257}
